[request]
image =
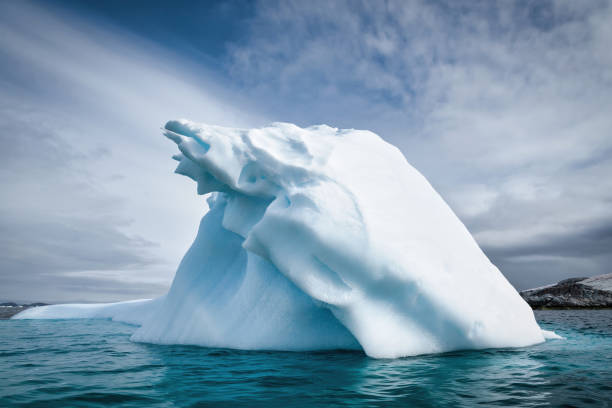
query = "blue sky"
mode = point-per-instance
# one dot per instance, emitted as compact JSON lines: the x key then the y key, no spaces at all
{"x":503,"y":106}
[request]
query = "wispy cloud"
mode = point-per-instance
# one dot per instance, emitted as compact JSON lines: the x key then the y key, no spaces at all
{"x":88,"y":190}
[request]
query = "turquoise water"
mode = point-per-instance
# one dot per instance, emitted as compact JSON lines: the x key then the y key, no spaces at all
{"x":92,"y":363}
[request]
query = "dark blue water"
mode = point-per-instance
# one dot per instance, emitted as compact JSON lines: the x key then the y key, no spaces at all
{"x":92,"y":363}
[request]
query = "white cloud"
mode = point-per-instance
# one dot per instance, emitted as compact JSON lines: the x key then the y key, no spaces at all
{"x":472,"y":199}
{"x":503,"y":106}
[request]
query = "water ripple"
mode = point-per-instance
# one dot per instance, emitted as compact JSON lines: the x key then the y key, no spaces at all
{"x":92,"y":363}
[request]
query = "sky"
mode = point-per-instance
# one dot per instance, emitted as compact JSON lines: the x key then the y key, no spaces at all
{"x":504,"y":106}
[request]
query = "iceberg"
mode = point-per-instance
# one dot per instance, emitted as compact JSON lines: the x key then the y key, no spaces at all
{"x":321,"y":238}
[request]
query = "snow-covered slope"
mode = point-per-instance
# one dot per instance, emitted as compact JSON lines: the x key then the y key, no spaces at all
{"x":322,"y":238}
{"x":600,"y":282}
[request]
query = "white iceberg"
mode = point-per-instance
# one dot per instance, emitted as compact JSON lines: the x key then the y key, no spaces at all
{"x":321,"y":238}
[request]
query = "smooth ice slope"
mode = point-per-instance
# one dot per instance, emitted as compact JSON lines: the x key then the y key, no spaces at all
{"x":323,"y":238}
{"x":132,"y":311}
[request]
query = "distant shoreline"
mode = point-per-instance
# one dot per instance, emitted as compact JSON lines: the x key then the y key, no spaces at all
{"x":8,"y":310}
{"x":571,"y":307}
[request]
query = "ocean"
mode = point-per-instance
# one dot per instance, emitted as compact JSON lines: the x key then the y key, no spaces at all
{"x":92,"y":363}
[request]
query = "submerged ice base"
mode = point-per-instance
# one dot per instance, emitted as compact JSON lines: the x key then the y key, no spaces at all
{"x":321,"y":238}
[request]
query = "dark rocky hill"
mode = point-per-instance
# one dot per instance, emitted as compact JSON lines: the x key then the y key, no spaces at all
{"x":594,"y":292}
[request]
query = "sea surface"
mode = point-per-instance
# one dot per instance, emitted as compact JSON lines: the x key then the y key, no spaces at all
{"x":92,"y":363}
